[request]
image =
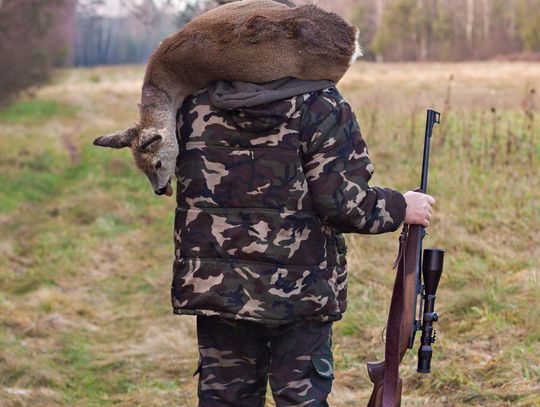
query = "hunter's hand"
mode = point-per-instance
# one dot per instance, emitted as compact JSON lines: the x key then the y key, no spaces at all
{"x":419,"y":208}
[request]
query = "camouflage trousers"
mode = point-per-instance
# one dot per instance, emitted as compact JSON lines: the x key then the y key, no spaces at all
{"x":237,"y":358}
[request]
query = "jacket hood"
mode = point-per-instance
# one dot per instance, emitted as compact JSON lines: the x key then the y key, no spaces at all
{"x":260,"y":107}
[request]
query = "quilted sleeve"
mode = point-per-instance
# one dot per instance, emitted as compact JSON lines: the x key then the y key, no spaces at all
{"x":338,"y":169}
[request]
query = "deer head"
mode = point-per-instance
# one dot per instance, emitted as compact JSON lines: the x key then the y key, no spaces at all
{"x":154,"y":151}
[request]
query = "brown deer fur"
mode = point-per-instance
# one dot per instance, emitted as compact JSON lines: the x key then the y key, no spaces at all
{"x":251,"y":40}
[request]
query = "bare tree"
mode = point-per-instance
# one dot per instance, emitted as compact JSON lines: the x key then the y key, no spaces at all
{"x":146,"y":12}
{"x":379,"y":12}
{"x":469,"y":24}
{"x":487,"y":21}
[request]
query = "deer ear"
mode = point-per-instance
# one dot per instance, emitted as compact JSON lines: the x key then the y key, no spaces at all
{"x":120,"y":139}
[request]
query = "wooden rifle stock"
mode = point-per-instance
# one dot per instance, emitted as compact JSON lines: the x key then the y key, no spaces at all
{"x":402,"y":324}
{"x":385,"y":375}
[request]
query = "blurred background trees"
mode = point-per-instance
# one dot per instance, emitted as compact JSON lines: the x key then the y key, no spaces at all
{"x":126,"y":31}
{"x":36,"y":35}
{"x":449,"y":30}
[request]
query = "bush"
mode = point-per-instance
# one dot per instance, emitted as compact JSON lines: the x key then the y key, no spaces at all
{"x":35,"y":37}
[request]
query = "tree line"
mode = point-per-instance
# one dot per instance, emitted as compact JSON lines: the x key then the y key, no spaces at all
{"x":448,"y":30}
{"x":391,"y":30}
{"x":36,"y":35}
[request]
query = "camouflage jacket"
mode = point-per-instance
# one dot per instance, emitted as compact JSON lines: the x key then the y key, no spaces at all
{"x":263,"y":197}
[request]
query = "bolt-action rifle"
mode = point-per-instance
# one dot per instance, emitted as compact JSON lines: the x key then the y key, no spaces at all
{"x":415,"y":278}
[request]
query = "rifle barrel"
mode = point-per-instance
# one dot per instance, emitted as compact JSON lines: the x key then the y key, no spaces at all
{"x":432,"y":118}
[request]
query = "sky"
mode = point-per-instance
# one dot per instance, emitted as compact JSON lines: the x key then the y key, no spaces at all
{"x":114,"y":7}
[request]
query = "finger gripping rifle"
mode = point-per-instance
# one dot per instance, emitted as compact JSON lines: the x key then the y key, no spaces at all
{"x":402,"y":323}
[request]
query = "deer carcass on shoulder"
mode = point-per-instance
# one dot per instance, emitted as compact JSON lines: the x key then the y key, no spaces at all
{"x":250,"y":40}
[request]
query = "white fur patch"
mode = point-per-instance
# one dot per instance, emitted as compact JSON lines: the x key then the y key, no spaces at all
{"x":357,"y":49}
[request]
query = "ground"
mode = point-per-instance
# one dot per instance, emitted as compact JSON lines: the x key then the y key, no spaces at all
{"x":86,"y":248}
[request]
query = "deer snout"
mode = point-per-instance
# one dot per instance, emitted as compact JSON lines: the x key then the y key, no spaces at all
{"x":161,"y":191}
{"x":166,"y":190}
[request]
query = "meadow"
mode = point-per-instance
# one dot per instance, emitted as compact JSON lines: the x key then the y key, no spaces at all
{"x":86,"y":248}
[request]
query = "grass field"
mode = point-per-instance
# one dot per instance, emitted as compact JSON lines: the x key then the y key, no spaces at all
{"x":86,"y":248}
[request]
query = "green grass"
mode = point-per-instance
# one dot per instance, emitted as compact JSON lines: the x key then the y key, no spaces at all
{"x":34,"y":110}
{"x":86,"y":247}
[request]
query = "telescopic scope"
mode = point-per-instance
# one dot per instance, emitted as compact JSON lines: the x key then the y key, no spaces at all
{"x":432,"y":267}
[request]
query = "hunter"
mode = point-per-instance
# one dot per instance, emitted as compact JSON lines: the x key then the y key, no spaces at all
{"x":270,"y":177}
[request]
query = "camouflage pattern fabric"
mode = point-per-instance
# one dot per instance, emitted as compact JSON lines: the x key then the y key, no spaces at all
{"x":263,"y":197}
{"x":236,"y":359}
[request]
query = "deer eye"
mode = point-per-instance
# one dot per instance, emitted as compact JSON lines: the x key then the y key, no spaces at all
{"x":149,"y":142}
{"x":158,"y":165}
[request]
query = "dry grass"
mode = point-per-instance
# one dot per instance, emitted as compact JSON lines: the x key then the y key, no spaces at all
{"x":85,"y":248}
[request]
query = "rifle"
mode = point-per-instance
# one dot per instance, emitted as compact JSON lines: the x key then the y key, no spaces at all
{"x":402,"y":322}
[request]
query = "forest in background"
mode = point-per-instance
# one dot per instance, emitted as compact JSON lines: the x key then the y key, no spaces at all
{"x":36,"y":36}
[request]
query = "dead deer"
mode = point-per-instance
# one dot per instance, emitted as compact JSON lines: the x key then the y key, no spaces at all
{"x":251,"y":40}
